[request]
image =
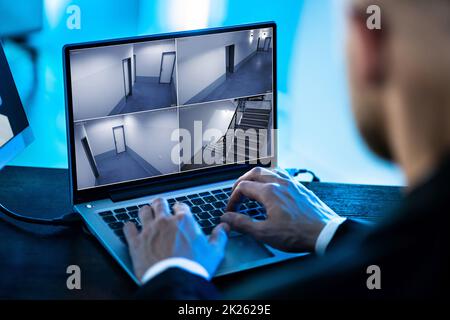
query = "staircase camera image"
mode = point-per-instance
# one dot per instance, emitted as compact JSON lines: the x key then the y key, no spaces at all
{"x":245,"y":131}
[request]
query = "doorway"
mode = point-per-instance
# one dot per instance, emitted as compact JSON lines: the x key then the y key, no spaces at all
{"x":267,"y":42}
{"x":134,"y":68}
{"x":260,"y":45}
{"x":167,"y":66}
{"x":119,"y":139}
{"x":90,"y":156}
{"x":127,"y":77}
{"x":229,"y":58}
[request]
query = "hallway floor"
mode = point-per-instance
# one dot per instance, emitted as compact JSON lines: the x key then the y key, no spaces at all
{"x":114,"y":167}
{"x":253,"y":77}
{"x":148,"y":94}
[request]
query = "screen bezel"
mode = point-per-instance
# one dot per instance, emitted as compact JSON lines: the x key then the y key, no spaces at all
{"x":161,"y":183}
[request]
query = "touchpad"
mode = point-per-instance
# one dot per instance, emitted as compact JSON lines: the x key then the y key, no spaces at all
{"x":243,"y":249}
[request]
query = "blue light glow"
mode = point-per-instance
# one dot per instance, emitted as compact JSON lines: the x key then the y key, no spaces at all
{"x":317,"y":129}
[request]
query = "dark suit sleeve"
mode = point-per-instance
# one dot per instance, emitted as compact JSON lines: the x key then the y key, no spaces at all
{"x":349,"y":228}
{"x":177,"y":284}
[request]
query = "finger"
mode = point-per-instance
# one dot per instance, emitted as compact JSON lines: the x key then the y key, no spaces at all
{"x":131,"y":233}
{"x":181,"y":208}
{"x":282,"y":173}
{"x":249,"y":189}
{"x":145,"y":215}
{"x":243,"y":223}
{"x":219,"y":235}
{"x":160,"y":208}
{"x":258,"y":174}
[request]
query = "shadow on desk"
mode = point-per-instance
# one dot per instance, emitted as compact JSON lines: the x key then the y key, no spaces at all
{"x":34,"y":259}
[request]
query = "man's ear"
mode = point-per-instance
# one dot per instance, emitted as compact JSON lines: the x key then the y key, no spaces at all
{"x":369,"y":49}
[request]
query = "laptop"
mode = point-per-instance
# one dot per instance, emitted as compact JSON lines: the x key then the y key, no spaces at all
{"x":179,"y":116}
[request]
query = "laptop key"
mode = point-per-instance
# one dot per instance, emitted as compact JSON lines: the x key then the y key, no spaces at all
{"x":105,"y":213}
{"x":188,"y":203}
{"x":216,"y":213}
{"x":123,"y":216}
{"x":196,"y":210}
{"x":219,"y":204}
{"x":221,"y":196}
{"x":215,"y":221}
{"x":133,"y":214}
{"x":209,"y":199}
{"x":181,"y":199}
{"x":116,"y":225}
{"x":227,"y":189}
{"x":132,"y":208}
{"x":207,"y":207}
{"x":204,"y":194}
{"x":204,"y":223}
{"x":109,"y":219}
{"x":192,"y":196}
{"x":252,"y":205}
{"x":120,"y":210}
{"x":253,"y":213}
{"x":204,"y":215}
{"x":216,"y":191}
{"x":197,"y":201}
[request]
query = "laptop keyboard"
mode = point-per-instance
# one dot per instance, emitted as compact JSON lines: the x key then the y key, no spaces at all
{"x":206,"y":207}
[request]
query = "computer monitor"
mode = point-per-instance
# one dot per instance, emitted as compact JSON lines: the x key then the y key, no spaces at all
{"x":15,"y":132}
{"x":134,"y":103}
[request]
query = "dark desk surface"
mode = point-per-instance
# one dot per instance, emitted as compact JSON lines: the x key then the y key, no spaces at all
{"x":33,"y":259}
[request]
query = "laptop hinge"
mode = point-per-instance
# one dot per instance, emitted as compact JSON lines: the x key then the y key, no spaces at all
{"x":156,"y":188}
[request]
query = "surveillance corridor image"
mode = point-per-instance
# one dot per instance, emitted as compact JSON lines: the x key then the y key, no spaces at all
{"x":130,"y":101}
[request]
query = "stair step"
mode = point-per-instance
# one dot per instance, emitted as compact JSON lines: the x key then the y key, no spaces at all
{"x":256,"y":122}
{"x":256,"y":110}
{"x":262,"y":116}
{"x":252,"y":126}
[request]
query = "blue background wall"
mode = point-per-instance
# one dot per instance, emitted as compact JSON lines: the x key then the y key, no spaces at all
{"x":317,"y":129}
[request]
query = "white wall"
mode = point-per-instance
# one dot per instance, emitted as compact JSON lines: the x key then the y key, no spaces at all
{"x":149,"y":135}
{"x":215,"y":115}
{"x":85,"y":176}
{"x":148,"y":57}
{"x":201,"y":59}
{"x":97,"y":80}
{"x":100,"y":134}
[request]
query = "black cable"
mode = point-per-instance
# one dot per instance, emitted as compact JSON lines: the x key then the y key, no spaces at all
{"x":67,"y":220}
{"x":296,"y":172}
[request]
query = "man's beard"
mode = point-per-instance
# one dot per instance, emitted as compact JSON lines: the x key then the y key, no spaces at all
{"x":375,"y":136}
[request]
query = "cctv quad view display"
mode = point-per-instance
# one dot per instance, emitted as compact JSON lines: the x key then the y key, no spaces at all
{"x":160,"y":107}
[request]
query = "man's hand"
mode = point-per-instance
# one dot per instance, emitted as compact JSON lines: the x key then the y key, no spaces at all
{"x":295,"y":215}
{"x":164,"y":235}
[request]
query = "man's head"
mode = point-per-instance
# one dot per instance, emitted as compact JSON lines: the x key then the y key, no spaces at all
{"x":400,"y":75}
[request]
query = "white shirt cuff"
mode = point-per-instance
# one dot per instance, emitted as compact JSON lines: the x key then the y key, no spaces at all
{"x":183,"y":263}
{"x":327,"y":233}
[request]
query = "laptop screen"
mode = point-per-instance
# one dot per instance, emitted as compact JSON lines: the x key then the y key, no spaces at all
{"x":154,"y":108}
